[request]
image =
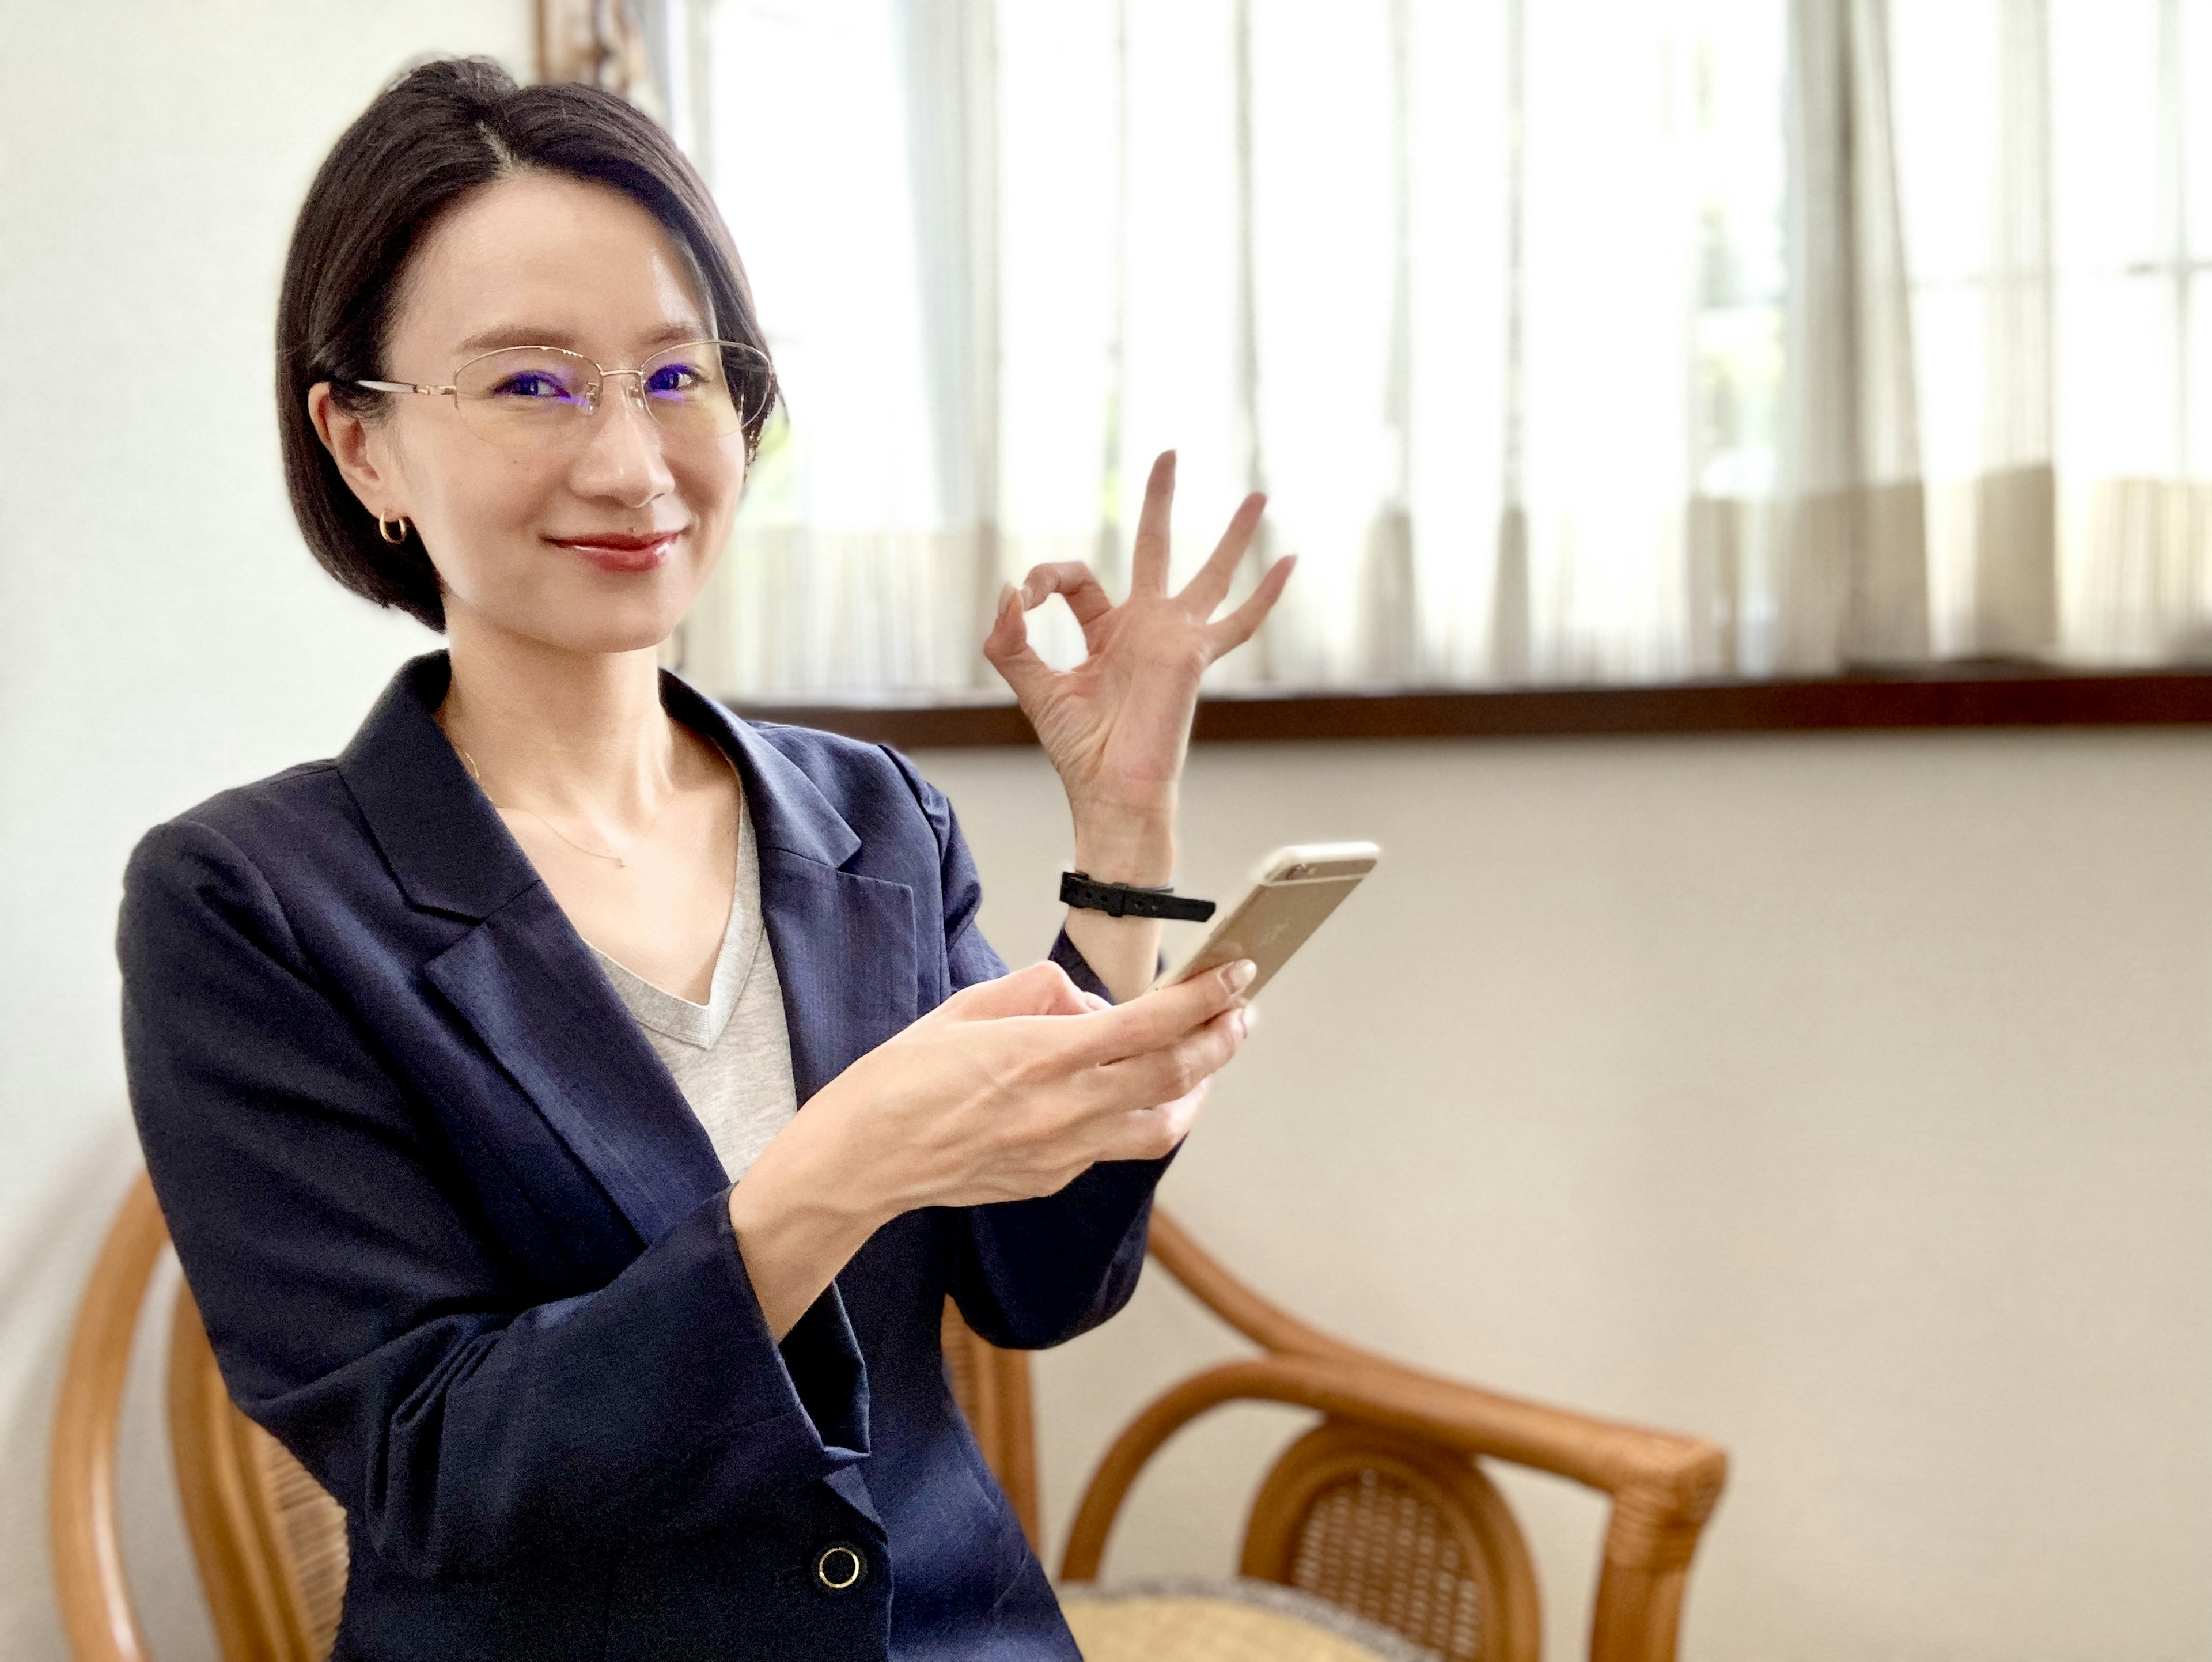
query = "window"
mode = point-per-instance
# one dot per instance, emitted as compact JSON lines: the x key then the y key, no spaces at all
{"x":1575,"y":341}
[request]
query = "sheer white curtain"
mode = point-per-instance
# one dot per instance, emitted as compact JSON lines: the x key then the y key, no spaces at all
{"x":841,"y":137}
{"x":1574,"y":340}
{"x":2056,"y":160}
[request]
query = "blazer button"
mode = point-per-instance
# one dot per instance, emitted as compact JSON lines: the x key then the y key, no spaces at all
{"x":841,"y":1568}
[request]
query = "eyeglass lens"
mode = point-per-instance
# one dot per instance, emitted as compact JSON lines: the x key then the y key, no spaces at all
{"x":529,"y":397}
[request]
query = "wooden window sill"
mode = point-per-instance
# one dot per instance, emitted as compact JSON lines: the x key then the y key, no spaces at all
{"x":1959,"y":696}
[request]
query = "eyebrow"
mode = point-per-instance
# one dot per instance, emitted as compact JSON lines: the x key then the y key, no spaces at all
{"x":530,"y":334}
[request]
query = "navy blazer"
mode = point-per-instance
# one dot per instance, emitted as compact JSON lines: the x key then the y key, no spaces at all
{"x":462,"y":1247}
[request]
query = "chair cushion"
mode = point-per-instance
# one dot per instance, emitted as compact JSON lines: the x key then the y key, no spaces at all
{"x":1232,"y":1621}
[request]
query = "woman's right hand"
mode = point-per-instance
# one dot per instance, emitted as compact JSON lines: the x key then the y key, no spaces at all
{"x":1008,"y":1090}
{"x":1013,"y":1087}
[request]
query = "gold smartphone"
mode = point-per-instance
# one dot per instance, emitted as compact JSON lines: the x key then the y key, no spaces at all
{"x":1293,"y":892}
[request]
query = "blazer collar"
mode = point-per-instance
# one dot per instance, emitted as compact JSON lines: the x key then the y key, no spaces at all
{"x":447,"y":845}
{"x":789,"y":812}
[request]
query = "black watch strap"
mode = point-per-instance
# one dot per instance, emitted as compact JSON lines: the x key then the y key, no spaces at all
{"x":1122,"y":900}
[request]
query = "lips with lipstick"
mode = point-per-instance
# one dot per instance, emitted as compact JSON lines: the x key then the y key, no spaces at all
{"x":620,"y":550}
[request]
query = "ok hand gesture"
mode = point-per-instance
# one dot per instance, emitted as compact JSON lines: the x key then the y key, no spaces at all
{"x":1117,"y":724}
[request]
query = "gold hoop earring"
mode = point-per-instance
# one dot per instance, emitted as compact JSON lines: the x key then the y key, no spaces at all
{"x":383,"y":527}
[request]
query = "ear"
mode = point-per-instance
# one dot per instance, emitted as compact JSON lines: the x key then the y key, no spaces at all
{"x":362,"y":450}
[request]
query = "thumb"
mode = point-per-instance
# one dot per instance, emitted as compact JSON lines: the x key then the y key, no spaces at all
{"x":1039,"y":990}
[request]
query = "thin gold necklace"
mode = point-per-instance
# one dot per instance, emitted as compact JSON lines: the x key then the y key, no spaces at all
{"x":621,"y":860}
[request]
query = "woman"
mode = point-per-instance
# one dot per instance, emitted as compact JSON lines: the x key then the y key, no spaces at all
{"x":448,"y":1055}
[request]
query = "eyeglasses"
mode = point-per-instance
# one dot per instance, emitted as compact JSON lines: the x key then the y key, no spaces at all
{"x":539,"y":398}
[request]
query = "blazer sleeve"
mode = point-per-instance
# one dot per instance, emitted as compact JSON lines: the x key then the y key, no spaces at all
{"x":1035,"y":1273}
{"x":364,"y":1316}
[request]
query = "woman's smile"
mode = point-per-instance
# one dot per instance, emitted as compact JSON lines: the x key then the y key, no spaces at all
{"x":621,"y":551}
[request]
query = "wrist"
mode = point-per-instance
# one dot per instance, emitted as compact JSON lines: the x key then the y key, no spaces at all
{"x":800,"y":1197}
{"x":1122,"y":846}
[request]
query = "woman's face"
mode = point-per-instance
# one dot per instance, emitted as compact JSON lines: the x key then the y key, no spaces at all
{"x":599,"y":542}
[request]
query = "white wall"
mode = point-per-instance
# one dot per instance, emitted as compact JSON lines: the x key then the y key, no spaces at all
{"x":162,"y":633}
{"x":1844,"y":1100}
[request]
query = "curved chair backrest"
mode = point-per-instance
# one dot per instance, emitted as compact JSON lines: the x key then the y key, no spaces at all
{"x":1385,"y":1508}
{"x":1403,"y":1532}
{"x":1392,"y":1527}
{"x":88,"y":1548}
{"x":271,"y":1543}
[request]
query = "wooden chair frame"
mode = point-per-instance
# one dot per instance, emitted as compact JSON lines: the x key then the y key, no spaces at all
{"x":1663,"y":1485}
{"x":95,"y":1598}
{"x":1428,"y":1433}
{"x":235,"y":1480}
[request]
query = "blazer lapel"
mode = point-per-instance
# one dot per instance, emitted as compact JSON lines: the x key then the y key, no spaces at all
{"x":844,"y":941}
{"x":844,"y":952}
{"x":522,"y":979}
{"x":532,"y":993}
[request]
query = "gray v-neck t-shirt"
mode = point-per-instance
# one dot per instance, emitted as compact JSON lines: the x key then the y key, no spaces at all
{"x":731,"y":1056}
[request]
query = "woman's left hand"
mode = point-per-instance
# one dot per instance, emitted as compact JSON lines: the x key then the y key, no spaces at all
{"x":1117,"y":724}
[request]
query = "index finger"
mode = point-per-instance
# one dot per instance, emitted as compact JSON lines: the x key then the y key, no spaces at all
{"x":1074,"y":582}
{"x":1161,"y":1017}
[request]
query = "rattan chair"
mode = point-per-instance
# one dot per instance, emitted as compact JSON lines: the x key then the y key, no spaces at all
{"x":1382,"y":1509}
{"x":270,"y":1544}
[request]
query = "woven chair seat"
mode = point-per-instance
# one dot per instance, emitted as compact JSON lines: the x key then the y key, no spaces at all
{"x":1232,"y":1621}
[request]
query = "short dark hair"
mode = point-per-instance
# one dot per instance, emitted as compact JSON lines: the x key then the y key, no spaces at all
{"x":438,"y":133}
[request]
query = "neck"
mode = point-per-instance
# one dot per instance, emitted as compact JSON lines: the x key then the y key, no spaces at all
{"x":559,"y":731}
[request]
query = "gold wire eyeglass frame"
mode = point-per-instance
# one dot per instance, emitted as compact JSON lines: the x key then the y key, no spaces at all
{"x":596,"y":386}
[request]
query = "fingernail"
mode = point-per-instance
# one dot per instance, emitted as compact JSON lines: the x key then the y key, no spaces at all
{"x":1007,"y":593}
{"x":1238,"y":975}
